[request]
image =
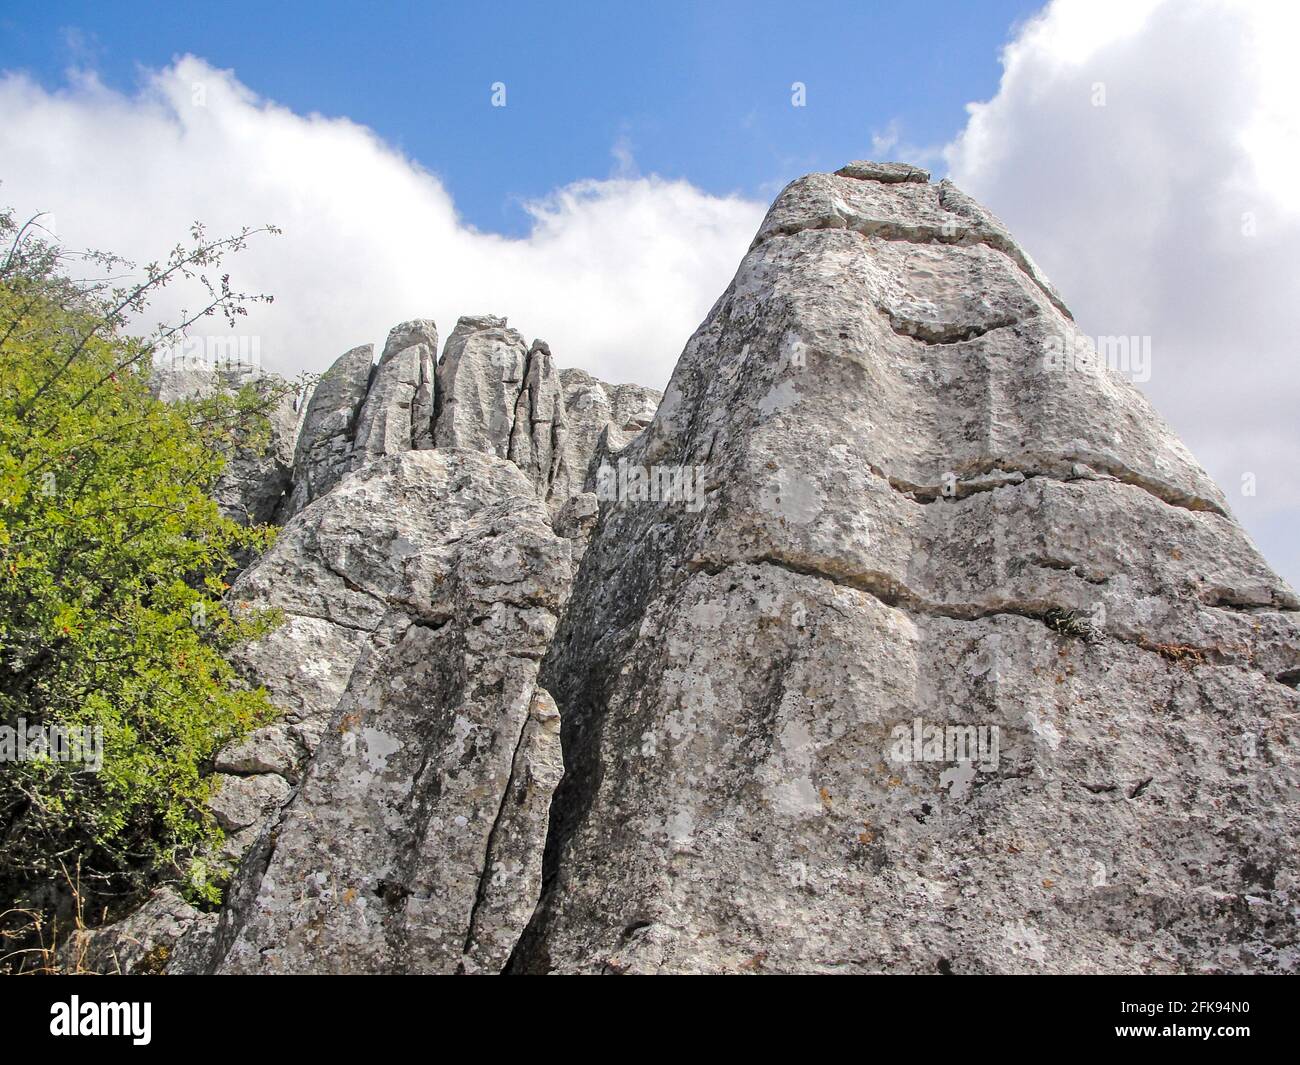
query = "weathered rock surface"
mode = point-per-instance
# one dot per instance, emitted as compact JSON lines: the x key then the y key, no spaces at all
{"x":501,"y":397}
{"x":913,"y":520}
{"x":593,"y":407}
{"x":537,"y":434}
{"x":480,"y":376}
{"x":576,"y":521}
{"x":258,"y":471}
{"x":432,"y":582}
{"x":916,"y":532}
{"x":885,"y":172}
{"x":398,"y":412}
{"x":242,"y":800}
{"x":488,"y":392}
{"x":155,"y":937}
{"x":510,"y":883}
{"x":358,"y":576}
{"x":324,"y":448}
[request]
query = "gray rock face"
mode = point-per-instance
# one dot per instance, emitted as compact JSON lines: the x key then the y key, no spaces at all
{"x":489,"y":392}
{"x":510,"y":883}
{"x":398,"y":412}
{"x":537,"y":435}
{"x":324,"y":451}
{"x":899,"y":644}
{"x":258,"y":473}
{"x":498,"y":396}
{"x":480,"y":376}
{"x":865,"y":170}
{"x":243,"y":800}
{"x":961,"y":666}
{"x":154,"y":938}
{"x":431,"y":583}
{"x":358,"y":415}
{"x":576,"y":520}
{"x":593,"y":407}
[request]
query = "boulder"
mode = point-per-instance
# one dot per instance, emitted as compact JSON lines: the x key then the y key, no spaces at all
{"x":962,"y":666}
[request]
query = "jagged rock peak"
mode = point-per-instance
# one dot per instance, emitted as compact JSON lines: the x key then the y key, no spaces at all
{"x":893,"y":201}
{"x":489,"y":392}
{"x":399,"y":408}
{"x":480,"y":376}
{"x":915,"y":525}
{"x":324,"y":451}
{"x":405,"y":334}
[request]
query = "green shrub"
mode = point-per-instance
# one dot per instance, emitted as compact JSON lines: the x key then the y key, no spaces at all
{"x":112,"y":556}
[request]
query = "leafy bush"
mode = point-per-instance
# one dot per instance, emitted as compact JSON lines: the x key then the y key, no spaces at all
{"x":112,"y":557}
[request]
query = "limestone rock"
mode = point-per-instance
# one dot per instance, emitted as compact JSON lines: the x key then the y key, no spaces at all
{"x":398,"y":411}
{"x":413,"y":842}
{"x":487,"y":392}
{"x":915,"y":521}
{"x":147,"y":942}
{"x":324,"y":449}
{"x":258,"y":471}
{"x":887,"y":172}
{"x":576,"y":520}
{"x":510,"y":883}
{"x":241,"y":801}
{"x":955,"y":662}
{"x":272,"y":749}
{"x":537,"y":434}
{"x":593,"y":407}
{"x":480,"y":376}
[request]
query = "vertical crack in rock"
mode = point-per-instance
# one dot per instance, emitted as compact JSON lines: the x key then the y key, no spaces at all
{"x":538,"y":416}
{"x":480,"y":376}
{"x":515,"y":843}
{"x":376,"y":863}
{"x":398,"y":411}
{"x":485,"y":874}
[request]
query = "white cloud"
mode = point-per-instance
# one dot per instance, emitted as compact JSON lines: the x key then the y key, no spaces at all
{"x":1140,"y":211}
{"x":1136,"y":209}
{"x":615,"y":274}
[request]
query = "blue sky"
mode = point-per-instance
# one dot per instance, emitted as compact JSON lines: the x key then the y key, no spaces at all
{"x":608,"y":204}
{"x":692,"y":90}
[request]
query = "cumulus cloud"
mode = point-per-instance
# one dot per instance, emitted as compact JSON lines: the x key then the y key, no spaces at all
{"x":615,"y":273}
{"x":1144,"y":152}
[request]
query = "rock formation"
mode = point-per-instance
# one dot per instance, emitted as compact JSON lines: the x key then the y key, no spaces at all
{"x":325,"y":440}
{"x":432,"y":582}
{"x":398,"y":412}
{"x":408,"y":781}
{"x":258,"y":472}
{"x":916,"y":527}
{"x":896,"y":646}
